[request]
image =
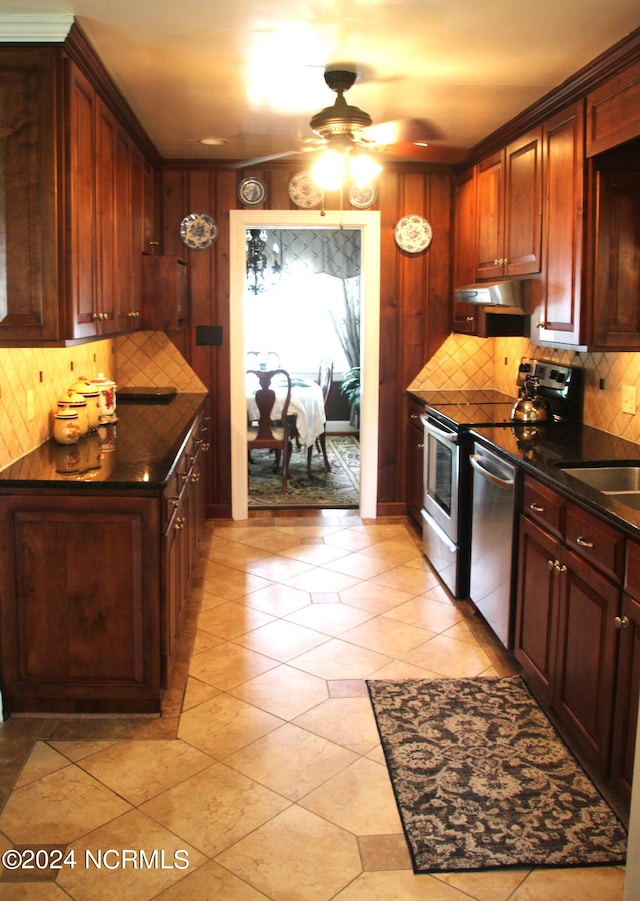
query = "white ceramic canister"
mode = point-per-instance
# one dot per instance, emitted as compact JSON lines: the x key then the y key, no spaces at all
{"x":66,"y":429}
{"x":107,"y":389}
{"x":89,"y":391}
{"x":77,"y":403}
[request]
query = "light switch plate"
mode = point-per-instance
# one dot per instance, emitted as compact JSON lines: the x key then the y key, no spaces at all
{"x":629,"y":400}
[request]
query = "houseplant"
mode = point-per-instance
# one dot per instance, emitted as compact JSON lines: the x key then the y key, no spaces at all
{"x":350,"y":387}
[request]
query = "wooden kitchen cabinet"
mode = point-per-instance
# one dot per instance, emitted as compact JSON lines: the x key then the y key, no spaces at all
{"x":30,"y":311}
{"x":509,"y":209}
{"x":183,"y":511}
{"x":76,"y":211}
{"x":464,"y":249}
{"x":94,"y":580}
{"x":80,"y":630}
{"x":613,"y":111}
{"x":627,"y":695}
{"x":569,"y":595}
{"x":556,"y":317}
{"x":614,"y":180}
{"x":415,"y":461}
{"x":164,"y":292}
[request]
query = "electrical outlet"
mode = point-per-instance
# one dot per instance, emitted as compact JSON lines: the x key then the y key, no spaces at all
{"x":629,"y":401}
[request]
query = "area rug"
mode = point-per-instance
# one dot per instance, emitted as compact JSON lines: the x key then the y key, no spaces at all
{"x":483,"y":780}
{"x":339,"y":488}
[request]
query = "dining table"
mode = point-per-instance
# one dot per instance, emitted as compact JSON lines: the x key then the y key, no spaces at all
{"x":306,"y":404}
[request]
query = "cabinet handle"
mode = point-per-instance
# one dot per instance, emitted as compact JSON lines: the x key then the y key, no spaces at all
{"x":536,"y":507}
{"x":414,"y":416}
{"x":469,"y":318}
{"x":179,"y":523}
{"x":560,"y":568}
{"x":195,"y":477}
{"x":496,"y":262}
{"x":541,"y":324}
{"x":551,"y":565}
{"x":584,"y":542}
{"x":421,"y":445}
{"x":621,"y":622}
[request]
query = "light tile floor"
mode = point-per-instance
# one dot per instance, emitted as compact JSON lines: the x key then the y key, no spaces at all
{"x":265,"y":768}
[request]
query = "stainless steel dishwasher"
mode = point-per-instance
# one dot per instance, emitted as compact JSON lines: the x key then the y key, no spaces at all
{"x":492,"y":540}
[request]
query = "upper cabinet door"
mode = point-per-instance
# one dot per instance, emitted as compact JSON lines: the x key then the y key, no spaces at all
{"x":557,"y":319}
{"x":29,"y":197}
{"x":523,"y":205}
{"x":490,"y":217}
{"x":509,"y":209}
{"x":613,"y":111}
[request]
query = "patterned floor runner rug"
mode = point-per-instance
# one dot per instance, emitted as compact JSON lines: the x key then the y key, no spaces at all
{"x":482,"y":779}
{"x":338,"y":488}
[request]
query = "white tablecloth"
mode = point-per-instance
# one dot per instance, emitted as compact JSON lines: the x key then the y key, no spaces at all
{"x":306,"y":403}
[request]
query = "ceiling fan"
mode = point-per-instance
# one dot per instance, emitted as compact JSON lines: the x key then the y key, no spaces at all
{"x":343,"y":127}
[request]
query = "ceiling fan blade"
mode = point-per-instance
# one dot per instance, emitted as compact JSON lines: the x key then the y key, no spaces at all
{"x":257,"y":160}
{"x":400,"y":131}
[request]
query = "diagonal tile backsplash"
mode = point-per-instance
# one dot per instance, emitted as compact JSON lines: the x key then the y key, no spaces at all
{"x":139,"y":359}
{"x":493,"y":362}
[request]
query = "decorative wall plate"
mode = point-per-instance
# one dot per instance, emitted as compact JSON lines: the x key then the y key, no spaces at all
{"x":362,"y":196}
{"x":413,"y":234}
{"x":304,"y":192}
{"x":198,"y":231}
{"x":252,"y":191}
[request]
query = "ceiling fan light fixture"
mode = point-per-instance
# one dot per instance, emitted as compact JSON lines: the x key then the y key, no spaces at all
{"x":328,"y":170}
{"x":363,"y":169}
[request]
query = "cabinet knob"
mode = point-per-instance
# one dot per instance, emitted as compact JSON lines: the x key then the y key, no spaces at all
{"x":179,"y":523}
{"x":551,"y":565}
{"x":621,"y":622}
{"x":414,"y":416}
{"x":584,"y":542}
{"x":469,"y":318}
{"x":559,"y":567}
{"x":541,"y":324}
{"x":195,"y":477}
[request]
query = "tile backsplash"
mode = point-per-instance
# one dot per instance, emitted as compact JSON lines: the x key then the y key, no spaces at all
{"x":139,"y":359}
{"x":493,"y":363}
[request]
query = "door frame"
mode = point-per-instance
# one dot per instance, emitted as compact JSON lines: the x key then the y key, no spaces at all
{"x":368,"y":221}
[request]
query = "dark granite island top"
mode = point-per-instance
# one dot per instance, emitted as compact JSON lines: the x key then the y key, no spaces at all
{"x":137,"y":452}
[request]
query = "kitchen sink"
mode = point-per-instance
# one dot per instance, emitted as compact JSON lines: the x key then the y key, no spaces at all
{"x":607,"y":478}
{"x":619,"y":482}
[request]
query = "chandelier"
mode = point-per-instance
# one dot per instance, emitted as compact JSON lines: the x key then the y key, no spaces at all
{"x":257,"y":261}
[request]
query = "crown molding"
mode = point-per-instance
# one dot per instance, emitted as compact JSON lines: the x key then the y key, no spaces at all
{"x":39,"y":28}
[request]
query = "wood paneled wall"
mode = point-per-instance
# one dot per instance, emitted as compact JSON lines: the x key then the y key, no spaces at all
{"x":415,"y":301}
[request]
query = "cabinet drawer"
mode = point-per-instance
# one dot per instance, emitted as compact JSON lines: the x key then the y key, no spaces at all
{"x":543,"y":505}
{"x":601,"y":545}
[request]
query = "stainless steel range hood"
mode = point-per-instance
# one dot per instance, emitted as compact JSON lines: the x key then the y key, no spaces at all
{"x":511,"y":296}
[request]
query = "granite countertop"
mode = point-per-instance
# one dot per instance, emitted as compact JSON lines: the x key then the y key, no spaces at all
{"x":137,"y":452}
{"x":560,"y":444}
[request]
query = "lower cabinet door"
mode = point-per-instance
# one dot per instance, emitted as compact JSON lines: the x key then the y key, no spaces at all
{"x":627,"y":699}
{"x":586,"y":659}
{"x":536,"y":608}
{"x":80,"y":626}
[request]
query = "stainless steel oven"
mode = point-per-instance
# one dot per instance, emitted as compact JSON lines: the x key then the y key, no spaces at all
{"x":440,"y":513}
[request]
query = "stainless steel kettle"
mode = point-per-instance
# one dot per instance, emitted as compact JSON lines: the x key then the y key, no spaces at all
{"x":530,"y":406}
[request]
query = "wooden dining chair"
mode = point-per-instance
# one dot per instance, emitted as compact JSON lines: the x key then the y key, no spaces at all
{"x":271,"y":432}
{"x":325,"y":380}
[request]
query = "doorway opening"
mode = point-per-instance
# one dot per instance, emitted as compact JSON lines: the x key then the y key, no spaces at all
{"x":368,"y":224}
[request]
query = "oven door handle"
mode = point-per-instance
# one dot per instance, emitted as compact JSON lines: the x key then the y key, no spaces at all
{"x":489,"y":476}
{"x":449,"y":437}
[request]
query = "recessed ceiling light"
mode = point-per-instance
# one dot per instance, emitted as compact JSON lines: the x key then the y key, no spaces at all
{"x":212,"y":141}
